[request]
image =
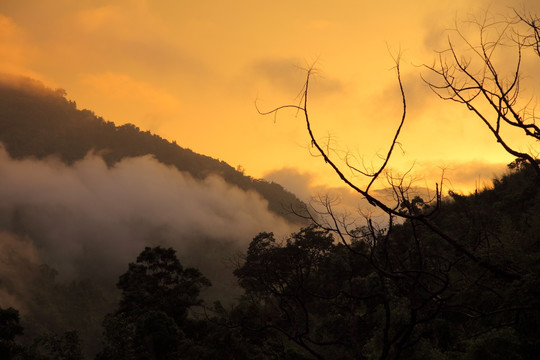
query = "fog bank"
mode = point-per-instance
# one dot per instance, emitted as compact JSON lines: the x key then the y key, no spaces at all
{"x":91,"y":220}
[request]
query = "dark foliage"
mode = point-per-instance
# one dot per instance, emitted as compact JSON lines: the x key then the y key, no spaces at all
{"x":397,"y":294}
{"x":54,"y":307}
{"x":52,"y":346}
{"x":47,"y":346}
{"x":9,"y":329}
{"x":404,"y":293}
{"x":151,"y":321}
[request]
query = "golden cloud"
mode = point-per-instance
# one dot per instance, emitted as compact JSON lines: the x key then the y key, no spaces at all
{"x":15,"y":53}
{"x":126,"y":89}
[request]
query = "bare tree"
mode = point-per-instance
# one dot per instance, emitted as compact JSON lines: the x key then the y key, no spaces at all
{"x":413,"y":271}
{"x":423,"y":266}
{"x":404,"y":207}
{"x":531,"y":38}
{"x":478,"y":75}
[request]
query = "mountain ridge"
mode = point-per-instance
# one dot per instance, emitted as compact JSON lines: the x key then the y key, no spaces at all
{"x":36,"y":121}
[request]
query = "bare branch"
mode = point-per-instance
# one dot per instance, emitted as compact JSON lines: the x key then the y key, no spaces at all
{"x":461,"y":83}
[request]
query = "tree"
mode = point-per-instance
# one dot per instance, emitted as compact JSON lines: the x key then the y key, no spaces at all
{"x":47,"y":346}
{"x":477,"y":74}
{"x":51,"y":346}
{"x":151,"y":321}
{"x":439,"y":263}
{"x":294,"y":294}
{"x":9,"y":329}
{"x":406,"y":208}
{"x":402,"y":293}
{"x":486,"y":83}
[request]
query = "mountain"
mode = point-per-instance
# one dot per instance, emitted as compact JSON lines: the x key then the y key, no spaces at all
{"x":81,"y":197}
{"x":464,"y":287}
{"x":39,"y":122}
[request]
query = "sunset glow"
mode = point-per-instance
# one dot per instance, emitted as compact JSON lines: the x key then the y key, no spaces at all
{"x":269,"y":179}
{"x":192,"y":72}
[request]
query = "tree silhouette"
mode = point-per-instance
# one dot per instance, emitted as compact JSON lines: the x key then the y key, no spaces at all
{"x":439,"y":263}
{"x":402,"y":293}
{"x":477,"y":75}
{"x":9,"y":329}
{"x":152,"y":317}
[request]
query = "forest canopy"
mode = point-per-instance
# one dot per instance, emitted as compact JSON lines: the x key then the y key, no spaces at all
{"x":397,"y":294}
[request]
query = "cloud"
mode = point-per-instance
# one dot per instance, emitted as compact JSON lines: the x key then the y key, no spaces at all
{"x":134,"y":36}
{"x":289,"y":75}
{"x":93,"y":19}
{"x":320,"y":25}
{"x":387,"y":104}
{"x":10,"y":34}
{"x":90,"y":220}
{"x":128,"y":36}
{"x":123,"y":87}
{"x":293,"y":180}
{"x":16,"y":53}
{"x":123,"y":20}
{"x":345,"y":202}
{"x":19,"y":259}
{"x":462,"y":177}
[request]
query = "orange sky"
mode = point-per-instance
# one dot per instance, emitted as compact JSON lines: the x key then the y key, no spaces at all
{"x":192,"y":71}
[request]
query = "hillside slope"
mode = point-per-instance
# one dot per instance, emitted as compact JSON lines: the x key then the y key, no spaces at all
{"x":39,"y":122}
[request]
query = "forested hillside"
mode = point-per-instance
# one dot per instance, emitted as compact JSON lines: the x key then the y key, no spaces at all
{"x":116,"y":244}
{"x":402,"y":293}
{"x":38,"y":122}
{"x":81,"y":197}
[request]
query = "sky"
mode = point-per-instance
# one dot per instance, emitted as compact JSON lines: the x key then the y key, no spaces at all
{"x":196,"y":72}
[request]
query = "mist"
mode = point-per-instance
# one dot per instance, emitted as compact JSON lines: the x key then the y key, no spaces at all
{"x":345,"y":203}
{"x":88,"y":220}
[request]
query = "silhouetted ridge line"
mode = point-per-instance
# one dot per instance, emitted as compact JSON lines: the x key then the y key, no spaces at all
{"x":40,"y":122}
